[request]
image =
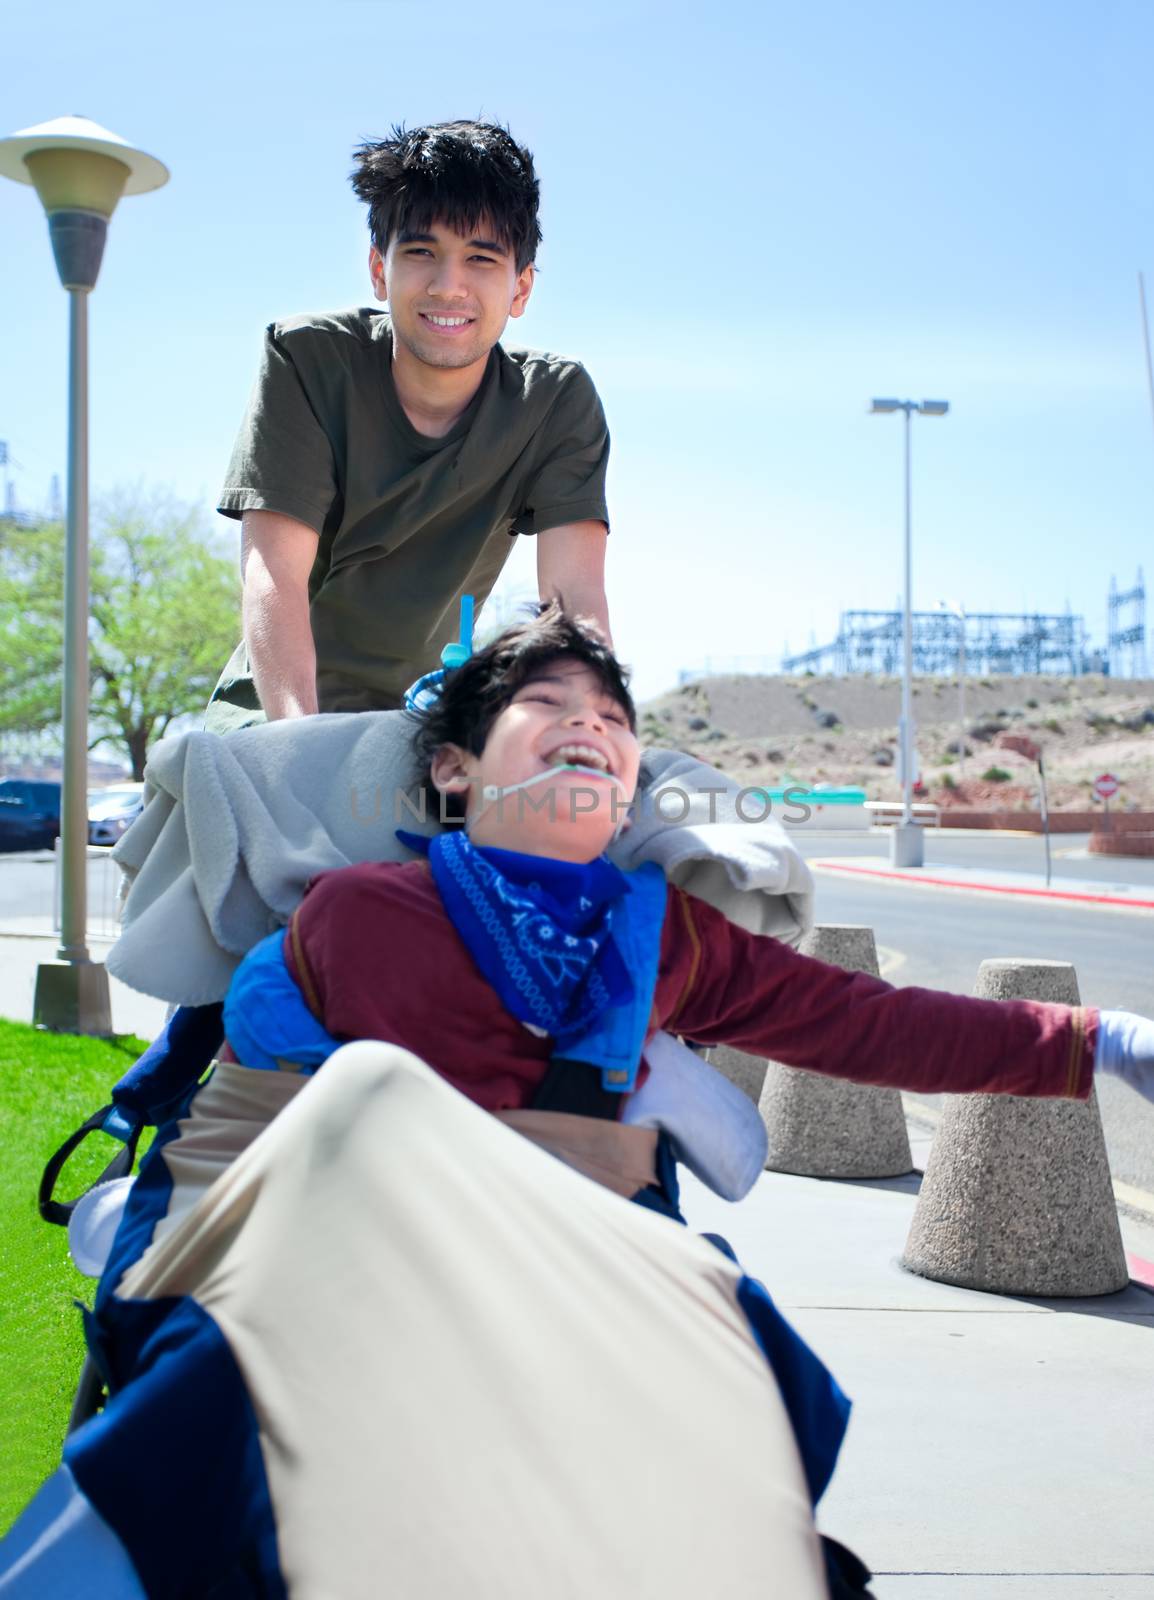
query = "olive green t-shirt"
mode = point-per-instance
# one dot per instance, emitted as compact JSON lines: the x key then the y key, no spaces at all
{"x":407,"y":524}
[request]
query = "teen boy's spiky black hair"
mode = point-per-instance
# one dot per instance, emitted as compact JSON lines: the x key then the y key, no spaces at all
{"x":461,"y":174}
{"x":475,"y":693}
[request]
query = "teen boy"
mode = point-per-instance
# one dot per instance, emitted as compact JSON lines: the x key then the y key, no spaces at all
{"x":387,"y":459}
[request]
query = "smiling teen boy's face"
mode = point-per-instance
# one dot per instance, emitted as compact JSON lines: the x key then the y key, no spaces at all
{"x":449,"y":295}
{"x":562,"y":713}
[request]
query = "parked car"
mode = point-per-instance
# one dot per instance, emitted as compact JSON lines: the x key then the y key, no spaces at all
{"x":29,"y":814}
{"x":111,"y":810}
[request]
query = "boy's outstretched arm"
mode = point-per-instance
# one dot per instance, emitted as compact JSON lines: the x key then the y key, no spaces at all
{"x":726,"y":986}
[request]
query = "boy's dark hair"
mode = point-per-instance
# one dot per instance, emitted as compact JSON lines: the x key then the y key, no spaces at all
{"x":475,"y":693}
{"x":457,"y":173}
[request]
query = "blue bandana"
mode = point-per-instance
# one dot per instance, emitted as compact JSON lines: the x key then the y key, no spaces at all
{"x":570,"y":948}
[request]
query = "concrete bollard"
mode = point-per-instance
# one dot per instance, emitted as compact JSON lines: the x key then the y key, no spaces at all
{"x":747,"y":1072}
{"x":824,"y":1127}
{"x":1016,"y":1197}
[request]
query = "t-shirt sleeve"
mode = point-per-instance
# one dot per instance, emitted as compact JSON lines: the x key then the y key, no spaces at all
{"x":569,"y":484}
{"x":283,"y":458}
{"x":725,"y":985}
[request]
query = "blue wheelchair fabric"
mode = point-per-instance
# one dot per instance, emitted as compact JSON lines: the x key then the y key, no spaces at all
{"x":60,"y":1548}
{"x":173,"y":1464}
{"x":172,"y":1064}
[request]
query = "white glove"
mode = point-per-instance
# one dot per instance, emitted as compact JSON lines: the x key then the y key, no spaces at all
{"x":1126,"y":1049}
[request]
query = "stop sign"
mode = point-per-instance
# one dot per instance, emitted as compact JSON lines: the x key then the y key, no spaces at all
{"x":1106,"y":786}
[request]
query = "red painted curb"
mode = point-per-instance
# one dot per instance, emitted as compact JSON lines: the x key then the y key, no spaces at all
{"x":1141,"y":1271}
{"x":989,"y":888}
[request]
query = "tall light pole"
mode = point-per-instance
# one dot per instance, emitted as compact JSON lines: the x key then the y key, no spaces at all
{"x":80,"y":171}
{"x":907,"y":845}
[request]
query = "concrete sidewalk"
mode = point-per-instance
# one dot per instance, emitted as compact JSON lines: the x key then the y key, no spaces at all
{"x":998,"y":1447}
{"x":983,"y":880}
{"x":21,"y":954}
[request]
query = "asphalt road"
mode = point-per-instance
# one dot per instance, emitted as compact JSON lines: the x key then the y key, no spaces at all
{"x":939,"y":939}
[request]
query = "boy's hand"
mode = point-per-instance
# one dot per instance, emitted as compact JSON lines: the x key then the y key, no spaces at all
{"x":1126,"y":1049}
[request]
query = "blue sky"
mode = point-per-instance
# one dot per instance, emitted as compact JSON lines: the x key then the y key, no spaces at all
{"x":756,"y":217}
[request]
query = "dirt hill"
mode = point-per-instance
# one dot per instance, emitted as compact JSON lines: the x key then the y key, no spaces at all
{"x":773,"y":730}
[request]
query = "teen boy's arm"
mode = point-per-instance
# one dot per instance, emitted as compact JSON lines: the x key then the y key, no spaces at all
{"x":565,"y":502}
{"x":277,"y":555}
{"x":571,"y":568}
{"x":281,"y":484}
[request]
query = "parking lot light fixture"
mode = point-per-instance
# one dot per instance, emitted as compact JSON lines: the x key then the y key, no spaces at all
{"x":907,"y":844}
{"x":80,"y":171}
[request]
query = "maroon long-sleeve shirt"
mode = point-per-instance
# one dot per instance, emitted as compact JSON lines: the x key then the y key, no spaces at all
{"x":376,"y":957}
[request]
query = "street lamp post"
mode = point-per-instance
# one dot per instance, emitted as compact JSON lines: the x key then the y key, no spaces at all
{"x":907,"y":844}
{"x":79,"y":171}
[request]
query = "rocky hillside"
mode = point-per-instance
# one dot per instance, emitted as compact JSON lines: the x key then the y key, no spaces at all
{"x":775,"y":730}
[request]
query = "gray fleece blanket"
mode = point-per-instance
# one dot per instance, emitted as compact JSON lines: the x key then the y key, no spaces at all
{"x":234,"y":827}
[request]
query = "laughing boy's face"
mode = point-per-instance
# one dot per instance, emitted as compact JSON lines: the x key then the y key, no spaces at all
{"x":560,"y":718}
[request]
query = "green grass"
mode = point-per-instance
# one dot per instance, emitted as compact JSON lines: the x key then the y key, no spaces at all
{"x":49,"y":1083}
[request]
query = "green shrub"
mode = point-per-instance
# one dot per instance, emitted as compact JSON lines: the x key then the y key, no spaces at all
{"x":996,"y":775}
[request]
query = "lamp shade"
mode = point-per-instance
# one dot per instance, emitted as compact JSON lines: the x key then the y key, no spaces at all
{"x":77,"y":180}
{"x":76,"y":165}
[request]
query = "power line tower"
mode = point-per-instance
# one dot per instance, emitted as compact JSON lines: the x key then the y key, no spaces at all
{"x":1126,"y":630}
